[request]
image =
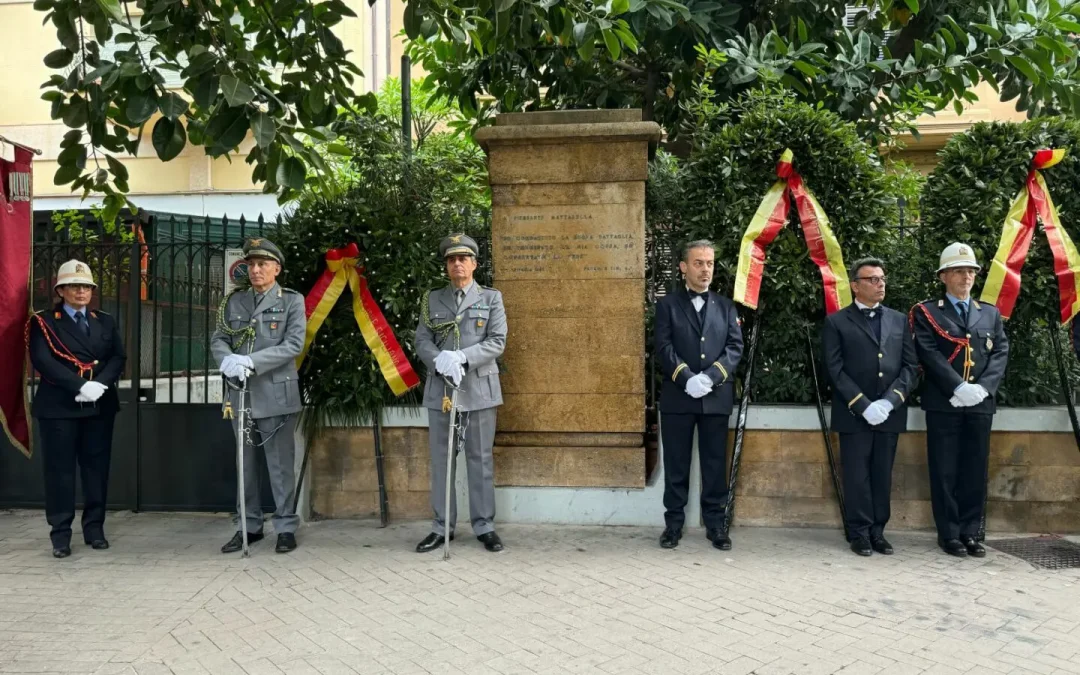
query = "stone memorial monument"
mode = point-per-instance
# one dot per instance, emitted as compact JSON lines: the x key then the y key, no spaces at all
{"x":568,"y":247}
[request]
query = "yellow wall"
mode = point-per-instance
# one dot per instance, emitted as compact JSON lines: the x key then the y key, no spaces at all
{"x":24,"y":42}
{"x":24,"y":117}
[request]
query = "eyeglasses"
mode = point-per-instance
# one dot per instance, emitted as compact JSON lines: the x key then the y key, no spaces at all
{"x":873,"y":280}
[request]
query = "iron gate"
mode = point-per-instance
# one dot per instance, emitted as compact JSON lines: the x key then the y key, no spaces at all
{"x":163,"y":278}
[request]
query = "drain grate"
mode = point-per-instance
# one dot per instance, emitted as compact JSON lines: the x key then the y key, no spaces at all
{"x":1049,"y":552}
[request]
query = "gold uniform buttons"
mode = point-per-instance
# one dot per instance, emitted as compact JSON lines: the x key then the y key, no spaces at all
{"x":969,"y":334}
{"x":703,"y":338}
{"x":881,"y":356}
{"x":702,"y":356}
{"x":881,"y":374}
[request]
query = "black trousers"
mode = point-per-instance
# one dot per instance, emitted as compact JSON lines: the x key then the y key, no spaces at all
{"x":677,"y":434}
{"x":867,"y":458}
{"x":957,"y":451}
{"x":87,"y":441}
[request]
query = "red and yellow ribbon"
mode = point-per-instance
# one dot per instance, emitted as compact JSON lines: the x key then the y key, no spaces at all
{"x":343,"y":269}
{"x":1031,"y":205}
{"x":769,"y":220}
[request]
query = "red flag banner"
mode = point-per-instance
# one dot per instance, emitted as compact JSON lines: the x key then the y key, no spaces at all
{"x":16,"y":184}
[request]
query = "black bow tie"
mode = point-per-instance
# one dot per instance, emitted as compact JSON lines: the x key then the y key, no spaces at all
{"x":868,"y":312}
{"x":695,"y":294}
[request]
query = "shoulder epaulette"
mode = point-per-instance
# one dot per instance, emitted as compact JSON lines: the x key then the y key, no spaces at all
{"x":289,"y":290}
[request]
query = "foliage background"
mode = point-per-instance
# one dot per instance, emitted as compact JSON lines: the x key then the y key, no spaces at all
{"x":396,"y":206}
{"x":725,"y":181}
{"x":966,"y":199}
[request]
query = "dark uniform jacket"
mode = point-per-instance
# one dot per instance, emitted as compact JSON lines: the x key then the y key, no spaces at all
{"x":60,"y":380}
{"x":687,"y":345}
{"x":938,"y":333}
{"x":863,"y":370}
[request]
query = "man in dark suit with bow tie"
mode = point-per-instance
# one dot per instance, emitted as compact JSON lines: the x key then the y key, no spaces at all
{"x":963,"y":350}
{"x":870,"y":355}
{"x":80,"y":356}
{"x":699,"y":344}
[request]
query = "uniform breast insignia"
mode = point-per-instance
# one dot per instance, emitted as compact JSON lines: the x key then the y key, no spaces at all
{"x":479,"y":323}
{"x":989,"y":344}
{"x":56,"y":315}
{"x":273,"y":325}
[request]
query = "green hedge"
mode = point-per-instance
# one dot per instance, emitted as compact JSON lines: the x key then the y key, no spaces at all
{"x":396,"y":208}
{"x":725,"y":181}
{"x":714,"y":193}
{"x":966,"y":199}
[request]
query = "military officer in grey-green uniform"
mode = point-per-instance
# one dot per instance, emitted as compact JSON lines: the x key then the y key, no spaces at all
{"x":259,"y":335}
{"x":462,"y":331}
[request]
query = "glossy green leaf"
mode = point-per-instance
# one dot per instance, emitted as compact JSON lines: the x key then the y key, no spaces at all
{"x":169,"y":138}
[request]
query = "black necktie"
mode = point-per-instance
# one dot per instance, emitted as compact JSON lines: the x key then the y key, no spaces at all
{"x":80,"y":321}
{"x":962,"y":308}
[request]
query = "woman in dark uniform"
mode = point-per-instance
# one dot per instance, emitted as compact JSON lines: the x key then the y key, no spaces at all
{"x":80,"y":356}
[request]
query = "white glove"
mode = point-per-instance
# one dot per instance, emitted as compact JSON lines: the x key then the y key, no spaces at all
{"x":876,"y":412}
{"x":79,"y":398}
{"x":699,"y":385}
{"x":446,"y":361}
{"x":228,"y":365}
{"x":969,"y":395}
{"x":982,"y":392}
{"x":955,"y":402}
{"x":91,"y":391}
{"x":457,"y":372}
{"x":236,"y":366}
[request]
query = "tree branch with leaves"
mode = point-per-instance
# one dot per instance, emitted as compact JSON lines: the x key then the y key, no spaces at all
{"x":273,"y":69}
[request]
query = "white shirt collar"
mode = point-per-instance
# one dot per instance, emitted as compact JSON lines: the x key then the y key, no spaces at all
{"x":862,"y":306}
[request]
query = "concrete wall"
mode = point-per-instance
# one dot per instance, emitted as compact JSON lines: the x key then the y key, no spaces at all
{"x":784,"y":478}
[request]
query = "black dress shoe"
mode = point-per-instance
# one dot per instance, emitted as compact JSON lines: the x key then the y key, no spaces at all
{"x":237,"y":541}
{"x":286,"y":542}
{"x":861,"y":546}
{"x":974,"y":548}
{"x":99,"y":544}
{"x":61,"y":551}
{"x":491,"y":541}
{"x":718,"y":538}
{"x":953,"y":547}
{"x":670,"y":538}
{"x":431,"y":542}
{"x":881,"y":545}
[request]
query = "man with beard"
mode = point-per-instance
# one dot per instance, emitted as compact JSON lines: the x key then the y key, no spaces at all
{"x":870,"y":356}
{"x":699,"y":344}
{"x":963,"y":350}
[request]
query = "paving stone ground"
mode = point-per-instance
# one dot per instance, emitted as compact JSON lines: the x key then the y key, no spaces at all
{"x":355,"y":598}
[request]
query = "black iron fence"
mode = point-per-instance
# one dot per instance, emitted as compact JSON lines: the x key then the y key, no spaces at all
{"x":163,"y":278}
{"x":165,"y":274}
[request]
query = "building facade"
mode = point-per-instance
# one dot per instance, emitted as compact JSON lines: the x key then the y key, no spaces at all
{"x":192,"y":184}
